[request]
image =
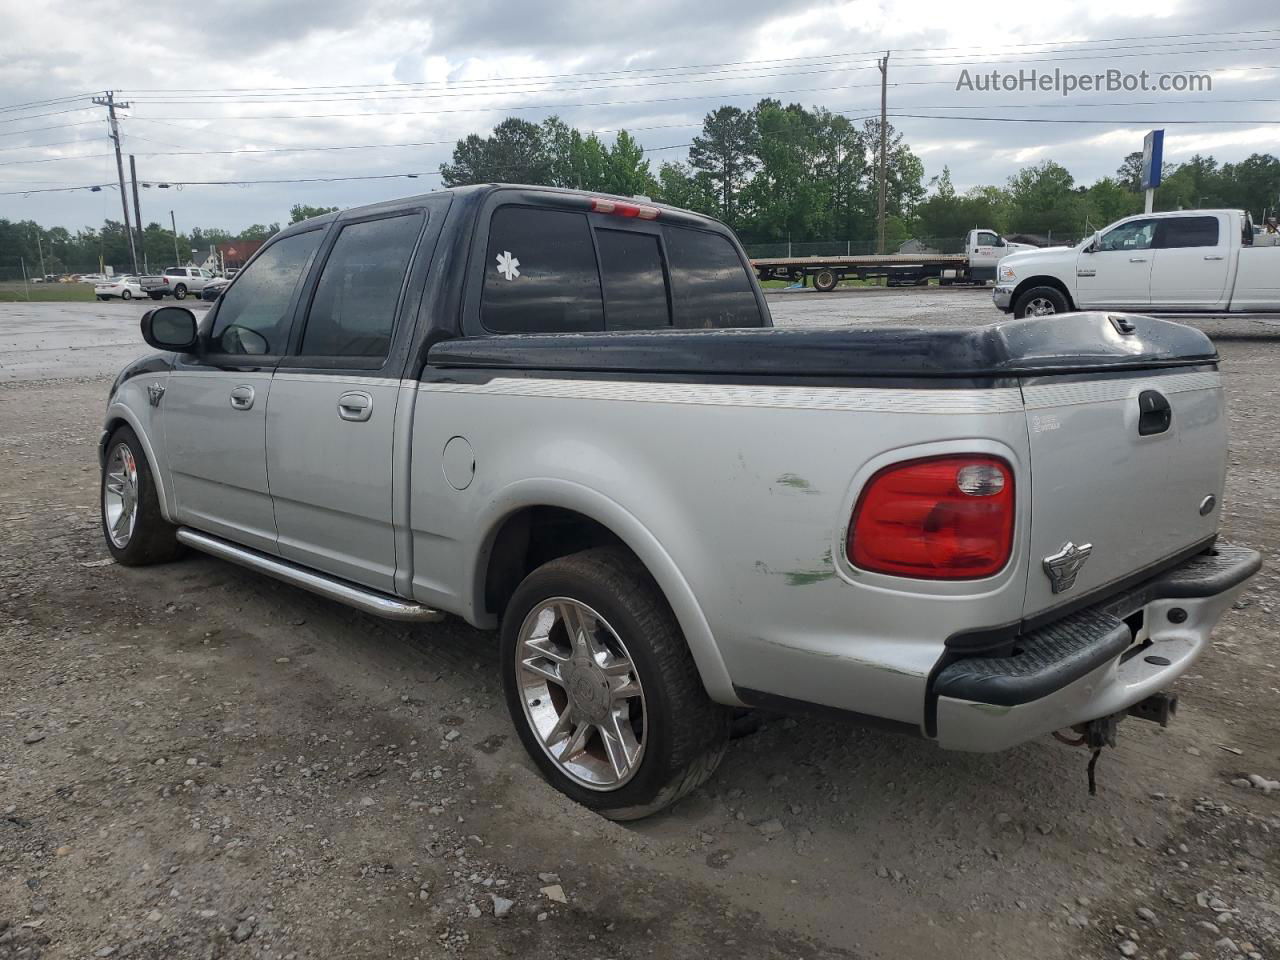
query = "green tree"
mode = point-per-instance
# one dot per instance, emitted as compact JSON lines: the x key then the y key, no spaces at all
{"x":257,"y":233}
{"x":1044,"y":200}
{"x":726,"y":151}
{"x":516,"y":152}
{"x":626,"y":169}
{"x":682,"y":187}
{"x":300,"y":211}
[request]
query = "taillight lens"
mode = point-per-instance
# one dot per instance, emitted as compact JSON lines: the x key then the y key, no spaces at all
{"x":941,"y":518}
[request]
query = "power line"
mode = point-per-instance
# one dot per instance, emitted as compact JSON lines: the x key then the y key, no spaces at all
{"x":54,"y":113}
{"x":1067,"y":45}
{"x":44,"y":103}
{"x":382,"y":95}
{"x":233,"y":183}
{"x":56,"y":126}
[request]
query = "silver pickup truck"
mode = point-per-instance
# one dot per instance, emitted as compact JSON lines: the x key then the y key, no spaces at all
{"x":569,"y":417}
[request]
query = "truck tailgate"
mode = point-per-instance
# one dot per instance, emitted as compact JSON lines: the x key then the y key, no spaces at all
{"x":1128,"y":467}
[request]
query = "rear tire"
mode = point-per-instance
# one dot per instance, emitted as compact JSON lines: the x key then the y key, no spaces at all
{"x":128,"y":490}
{"x":1041,"y":302}
{"x":825,"y":280}
{"x":630,"y":671}
{"x":156,"y":296}
{"x":180,"y":292}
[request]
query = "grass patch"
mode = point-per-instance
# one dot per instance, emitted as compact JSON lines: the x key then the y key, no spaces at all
{"x":15,"y":291}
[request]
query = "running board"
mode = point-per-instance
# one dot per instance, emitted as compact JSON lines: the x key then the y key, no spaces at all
{"x":370,"y":601}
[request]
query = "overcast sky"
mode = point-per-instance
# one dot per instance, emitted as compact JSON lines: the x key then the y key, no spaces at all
{"x":428,"y":71}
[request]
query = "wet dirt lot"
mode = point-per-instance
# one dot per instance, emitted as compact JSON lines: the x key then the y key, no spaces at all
{"x":197,"y":762}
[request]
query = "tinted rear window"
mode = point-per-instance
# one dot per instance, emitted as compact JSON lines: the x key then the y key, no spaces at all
{"x":1188,"y":232}
{"x":635,"y":288}
{"x":709,"y":285}
{"x":540,"y":273}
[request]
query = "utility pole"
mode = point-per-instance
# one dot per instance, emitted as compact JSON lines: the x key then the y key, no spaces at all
{"x":137,"y":212}
{"x":884,"y":141}
{"x":177,"y":260}
{"x":40,"y":249}
{"x":109,"y":101}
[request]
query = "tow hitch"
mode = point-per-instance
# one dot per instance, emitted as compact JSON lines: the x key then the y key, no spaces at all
{"x":1095,"y":734}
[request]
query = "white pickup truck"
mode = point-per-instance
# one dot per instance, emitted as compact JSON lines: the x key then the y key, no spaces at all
{"x":176,"y":281}
{"x":568,"y":416}
{"x":1191,"y":261}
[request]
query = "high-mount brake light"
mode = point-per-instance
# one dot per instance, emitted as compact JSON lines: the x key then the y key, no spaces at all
{"x":620,"y":208}
{"x":939,"y":518}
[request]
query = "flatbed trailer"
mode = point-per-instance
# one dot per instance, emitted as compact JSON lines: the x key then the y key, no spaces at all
{"x":983,"y":249}
{"x":898,"y":269}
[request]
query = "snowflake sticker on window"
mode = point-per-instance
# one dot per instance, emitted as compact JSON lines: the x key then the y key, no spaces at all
{"x":508,"y":265}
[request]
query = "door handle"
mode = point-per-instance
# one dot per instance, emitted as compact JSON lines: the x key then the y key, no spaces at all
{"x":242,"y":397}
{"x":1215,"y":258}
{"x":1154,"y":413}
{"x":356,"y":406}
{"x":1137,"y":259}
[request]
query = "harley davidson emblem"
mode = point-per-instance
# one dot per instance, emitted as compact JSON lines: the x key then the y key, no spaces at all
{"x":1063,"y":566}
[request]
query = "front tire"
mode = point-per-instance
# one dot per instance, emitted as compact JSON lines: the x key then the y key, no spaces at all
{"x":602,"y":688}
{"x":126,"y":295}
{"x":180,"y":292}
{"x":1041,"y":302}
{"x":137,"y":534}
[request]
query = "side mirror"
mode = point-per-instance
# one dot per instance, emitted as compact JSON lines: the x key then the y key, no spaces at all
{"x":170,"y":328}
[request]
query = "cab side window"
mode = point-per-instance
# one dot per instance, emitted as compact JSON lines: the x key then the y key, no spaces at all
{"x":710,"y":286}
{"x":353,"y":312}
{"x":251,"y":316}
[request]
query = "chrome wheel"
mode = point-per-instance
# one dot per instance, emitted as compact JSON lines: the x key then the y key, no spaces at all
{"x":1040,"y":307}
{"x":581,"y":693}
{"x":120,"y":495}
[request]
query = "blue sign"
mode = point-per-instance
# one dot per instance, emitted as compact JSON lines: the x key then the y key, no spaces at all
{"x":1152,"y":159}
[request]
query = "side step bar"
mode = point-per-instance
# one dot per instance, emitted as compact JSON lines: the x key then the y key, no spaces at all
{"x":370,"y":601}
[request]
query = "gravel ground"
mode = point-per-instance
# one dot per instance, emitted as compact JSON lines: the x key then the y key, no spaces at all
{"x":195,"y":762}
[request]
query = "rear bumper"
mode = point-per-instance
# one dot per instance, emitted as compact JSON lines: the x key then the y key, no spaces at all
{"x":1092,"y":663}
{"x":1002,"y":296}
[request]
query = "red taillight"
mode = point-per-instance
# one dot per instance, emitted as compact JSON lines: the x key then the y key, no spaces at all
{"x":942,"y":518}
{"x":620,"y":209}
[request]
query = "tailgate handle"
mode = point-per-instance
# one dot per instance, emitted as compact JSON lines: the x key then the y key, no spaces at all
{"x":1154,"y":413}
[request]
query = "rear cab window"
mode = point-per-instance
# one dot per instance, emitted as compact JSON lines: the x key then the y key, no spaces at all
{"x":550,"y":270}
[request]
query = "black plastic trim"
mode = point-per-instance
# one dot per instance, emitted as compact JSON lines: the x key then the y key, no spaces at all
{"x":1043,"y":661}
{"x":1052,"y":655}
{"x":786,"y":705}
{"x":1073,"y":343}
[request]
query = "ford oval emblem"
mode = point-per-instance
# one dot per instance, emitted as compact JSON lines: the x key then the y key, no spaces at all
{"x":1207,"y":505}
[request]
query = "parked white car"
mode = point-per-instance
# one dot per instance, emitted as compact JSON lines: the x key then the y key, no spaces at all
{"x":1184,"y":261}
{"x":126,"y":288}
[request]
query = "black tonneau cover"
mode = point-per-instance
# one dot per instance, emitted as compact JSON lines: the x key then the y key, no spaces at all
{"x":1068,"y":343}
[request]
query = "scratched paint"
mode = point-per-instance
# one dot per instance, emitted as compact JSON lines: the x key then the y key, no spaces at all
{"x":795,"y":482}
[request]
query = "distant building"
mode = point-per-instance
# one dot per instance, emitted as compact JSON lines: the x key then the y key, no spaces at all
{"x":237,"y":253}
